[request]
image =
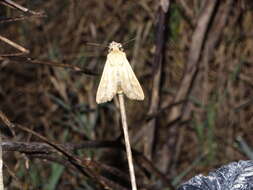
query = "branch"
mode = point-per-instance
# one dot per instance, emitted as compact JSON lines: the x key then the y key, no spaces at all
{"x":156,"y":83}
{"x":84,"y":165}
{"x":44,"y":148}
{"x":19,"y":7}
{"x":213,"y":38}
{"x":15,"y":45}
{"x":127,"y":141}
{"x":20,"y":18}
{"x":192,"y":65}
{"x":68,"y":164}
{"x":18,"y":59}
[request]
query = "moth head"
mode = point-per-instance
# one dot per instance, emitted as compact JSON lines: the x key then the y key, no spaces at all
{"x":115,"y":46}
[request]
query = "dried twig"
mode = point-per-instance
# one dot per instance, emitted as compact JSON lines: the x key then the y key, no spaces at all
{"x":19,"y":7}
{"x":67,"y":163}
{"x":6,"y":128}
{"x":43,"y":150}
{"x":20,"y":18}
{"x":30,"y":60}
{"x":78,"y":164}
{"x":1,"y":166}
{"x":213,"y":38}
{"x":198,"y":39}
{"x":128,"y":146}
{"x":157,"y":65}
{"x":39,"y":147}
{"x":15,"y":45}
{"x":5,"y":125}
{"x":188,"y":12}
{"x":190,"y":72}
{"x":82,"y":165}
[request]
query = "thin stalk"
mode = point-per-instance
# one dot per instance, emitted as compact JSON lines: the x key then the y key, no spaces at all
{"x":127,"y":142}
{"x":1,"y":166}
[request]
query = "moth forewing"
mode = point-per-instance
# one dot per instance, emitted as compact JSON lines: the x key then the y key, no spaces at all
{"x":118,"y":76}
{"x":129,"y":83}
{"x":107,"y":88}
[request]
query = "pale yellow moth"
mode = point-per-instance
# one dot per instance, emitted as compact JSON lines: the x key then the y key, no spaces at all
{"x":118,"y":77}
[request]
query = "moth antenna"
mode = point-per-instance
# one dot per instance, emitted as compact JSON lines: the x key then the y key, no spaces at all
{"x":95,"y":44}
{"x":128,"y":41}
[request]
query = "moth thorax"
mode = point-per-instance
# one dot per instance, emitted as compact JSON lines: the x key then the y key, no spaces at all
{"x":115,"y":46}
{"x":119,"y":88}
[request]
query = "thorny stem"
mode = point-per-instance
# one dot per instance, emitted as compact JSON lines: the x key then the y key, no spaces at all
{"x":127,"y":142}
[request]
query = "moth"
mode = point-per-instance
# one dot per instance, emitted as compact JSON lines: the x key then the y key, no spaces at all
{"x":118,"y":77}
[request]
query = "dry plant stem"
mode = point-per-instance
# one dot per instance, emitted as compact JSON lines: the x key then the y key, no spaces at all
{"x":192,"y":65}
{"x":1,"y":166}
{"x":20,"y":7}
{"x":127,"y":142}
{"x":15,"y":5}
{"x":13,"y":44}
{"x":18,"y":58}
{"x":43,"y":151}
{"x":81,"y":165}
{"x":156,"y":83}
{"x":20,"y":18}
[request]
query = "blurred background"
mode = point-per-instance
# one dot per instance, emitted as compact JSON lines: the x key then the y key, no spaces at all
{"x":197,"y":114}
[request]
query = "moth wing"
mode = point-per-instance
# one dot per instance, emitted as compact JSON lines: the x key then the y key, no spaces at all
{"x":107,"y":87}
{"x":129,"y":83}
